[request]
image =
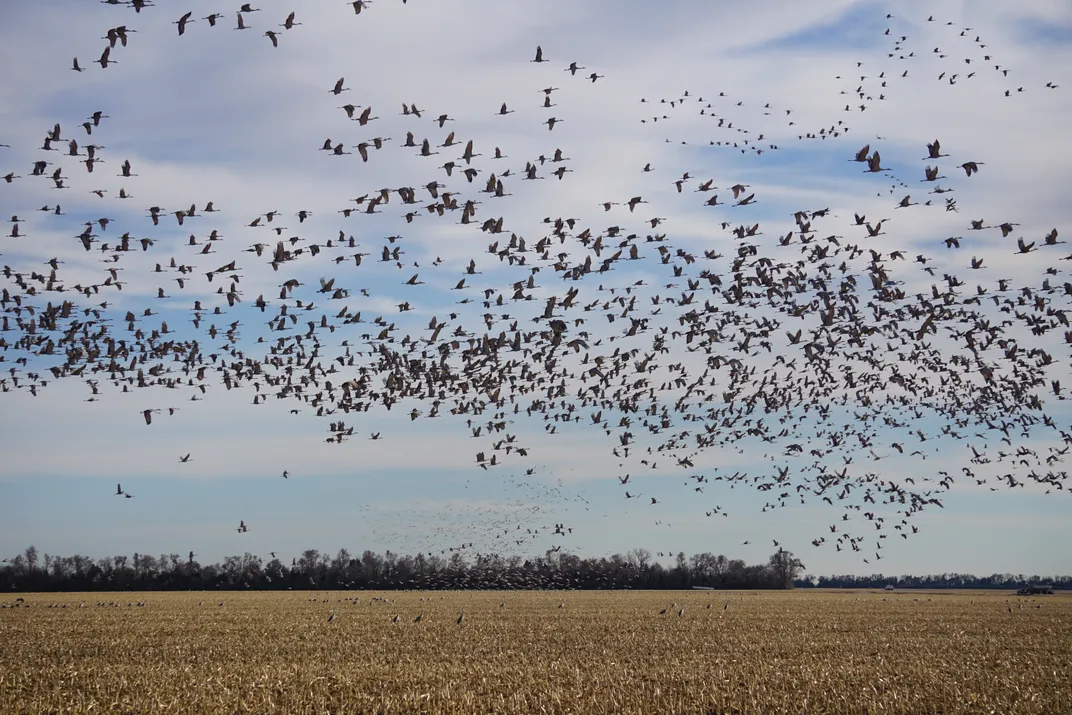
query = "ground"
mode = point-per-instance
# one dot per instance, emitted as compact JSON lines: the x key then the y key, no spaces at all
{"x":519,"y":652}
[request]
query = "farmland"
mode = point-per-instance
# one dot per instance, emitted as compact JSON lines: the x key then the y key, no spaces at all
{"x":582,"y":652}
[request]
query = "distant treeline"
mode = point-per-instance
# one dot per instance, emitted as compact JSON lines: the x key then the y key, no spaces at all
{"x":945,"y":581}
{"x":457,"y":569}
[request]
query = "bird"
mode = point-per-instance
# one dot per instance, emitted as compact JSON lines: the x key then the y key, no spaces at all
{"x":182,"y":22}
{"x":105,"y":58}
{"x":934,"y":151}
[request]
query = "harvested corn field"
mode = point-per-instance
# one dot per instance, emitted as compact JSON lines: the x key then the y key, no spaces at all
{"x":579,"y":652}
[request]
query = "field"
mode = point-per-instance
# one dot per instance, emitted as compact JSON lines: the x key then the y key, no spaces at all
{"x":576,"y":652}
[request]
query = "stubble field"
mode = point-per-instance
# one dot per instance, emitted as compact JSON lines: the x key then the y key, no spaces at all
{"x":554,"y":652}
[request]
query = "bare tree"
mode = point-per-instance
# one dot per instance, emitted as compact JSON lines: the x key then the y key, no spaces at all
{"x":785,"y":567}
{"x":639,"y":558}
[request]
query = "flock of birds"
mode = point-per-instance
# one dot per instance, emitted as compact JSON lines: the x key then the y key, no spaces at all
{"x":801,"y":343}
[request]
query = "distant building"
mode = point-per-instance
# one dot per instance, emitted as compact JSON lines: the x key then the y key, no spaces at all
{"x":1035,"y":590}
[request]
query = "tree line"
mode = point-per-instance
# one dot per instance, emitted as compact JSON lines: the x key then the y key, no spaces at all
{"x":937,"y":581}
{"x":458,"y":569}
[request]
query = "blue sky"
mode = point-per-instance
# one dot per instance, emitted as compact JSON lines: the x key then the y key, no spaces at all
{"x":220,"y":115}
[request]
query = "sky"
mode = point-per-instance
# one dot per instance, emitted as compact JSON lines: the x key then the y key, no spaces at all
{"x":219,"y":114}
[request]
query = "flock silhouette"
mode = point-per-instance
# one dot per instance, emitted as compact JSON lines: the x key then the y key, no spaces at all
{"x":800,"y":342}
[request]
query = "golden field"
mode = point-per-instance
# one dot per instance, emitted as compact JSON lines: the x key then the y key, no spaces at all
{"x":538,"y":652}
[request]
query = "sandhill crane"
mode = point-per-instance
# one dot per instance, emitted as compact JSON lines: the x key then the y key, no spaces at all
{"x":426,"y":149}
{"x":105,"y":58}
{"x":468,"y":154}
{"x":931,"y":174}
{"x":365,"y":116}
{"x":934,"y":151}
{"x":876,"y":230}
{"x":539,"y":55}
{"x":874,"y":164}
{"x":182,"y":21}
{"x":338,"y":88}
{"x":1006,"y":228}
